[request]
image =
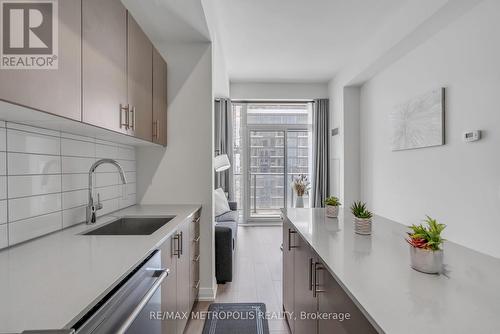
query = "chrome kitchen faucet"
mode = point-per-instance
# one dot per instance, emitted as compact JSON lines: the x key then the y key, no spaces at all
{"x":91,"y":206}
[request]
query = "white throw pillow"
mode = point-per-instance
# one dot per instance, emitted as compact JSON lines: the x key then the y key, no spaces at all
{"x":221,"y":204}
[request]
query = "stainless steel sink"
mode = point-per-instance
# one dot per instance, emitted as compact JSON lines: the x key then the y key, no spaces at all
{"x":131,"y":226}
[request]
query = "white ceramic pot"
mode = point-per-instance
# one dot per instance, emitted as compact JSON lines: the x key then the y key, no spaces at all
{"x":299,"y":202}
{"x":363,"y":225}
{"x":426,"y":260}
{"x":332,"y":211}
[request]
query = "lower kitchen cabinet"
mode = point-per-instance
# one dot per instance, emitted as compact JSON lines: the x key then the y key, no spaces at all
{"x":305,"y":301}
{"x":177,"y":292}
{"x":288,"y":273}
{"x":334,"y":300}
{"x":310,"y":290}
{"x":169,"y":286}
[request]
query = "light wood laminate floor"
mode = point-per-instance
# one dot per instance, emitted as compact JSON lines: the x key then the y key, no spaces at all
{"x":256,"y":276}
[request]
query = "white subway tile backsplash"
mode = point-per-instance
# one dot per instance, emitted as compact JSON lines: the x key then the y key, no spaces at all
{"x":3,"y":163}
{"x":74,"y":216}
{"x":131,"y":177}
{"x":127,"y":165}
{"x":3,"y":187}
{"x":127,"y":201}
{"x":73,"y":199}
{"x":106,"y":151}
{"x":22,"y":164}
{"x":77,"y":137}
{"x":75,"y":181}
{"x":34,"y":227}
{"x":28,"y":142}
{"x":33,"y":129}
{"x":3,"y":236}
{"x":126,"y":153}
{"x":106,"y":193}
{"x":77,"y":148}
{"x":3,"y":212}
{"x":76,"y":165}
{"x":109,"y":206}
{"x":44,"y":180}
{"x":3,"y":139}
{"x":106,"y":179}
{"x":29,"y":185}
{"x":25,"y":207}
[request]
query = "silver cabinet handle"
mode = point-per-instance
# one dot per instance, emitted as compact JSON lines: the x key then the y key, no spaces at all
{"x":132,"y":126}
{"x":181,"y":247}
{"x":311,"y":268}
{"x":176,"y":242}
{"x":124,"y":119}
{"x":155,"y":129}
{"x":290,"y":246}
{"x":130,"y":319}
{"x":317,"y":266}
{"x":197,"y":258}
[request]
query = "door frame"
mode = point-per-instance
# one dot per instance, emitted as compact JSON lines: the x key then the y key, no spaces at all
{"x":246,"y":171}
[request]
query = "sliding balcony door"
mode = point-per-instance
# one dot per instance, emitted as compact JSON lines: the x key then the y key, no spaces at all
{"x":271,"y":147}
{"x":266,"y":173}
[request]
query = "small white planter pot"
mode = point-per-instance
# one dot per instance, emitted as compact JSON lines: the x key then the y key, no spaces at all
{"x":299,"y":202}
{"x":363,"y":225}
{"x":426,"y":260}
{"x":332,"y":211}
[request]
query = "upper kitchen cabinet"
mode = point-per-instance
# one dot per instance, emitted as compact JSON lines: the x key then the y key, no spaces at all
{"x":159,"y":99}
{"x":140,"y":81}
{"x":56,"y":90}
{"x":104,"y":64}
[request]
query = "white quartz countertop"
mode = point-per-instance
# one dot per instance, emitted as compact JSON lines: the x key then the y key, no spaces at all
{"x":375,"y":271}
{"x":47,"y":282}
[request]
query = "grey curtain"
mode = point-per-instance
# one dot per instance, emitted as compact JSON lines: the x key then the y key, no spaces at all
{"x":321,"y":182}
{"x":224,"y":143}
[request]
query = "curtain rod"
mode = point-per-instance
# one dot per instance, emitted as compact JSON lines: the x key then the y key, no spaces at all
{"x":271,"y":101}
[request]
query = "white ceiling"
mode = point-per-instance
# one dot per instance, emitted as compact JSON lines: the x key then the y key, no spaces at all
{"x":170,"y":21}
{"x":295,"y":40}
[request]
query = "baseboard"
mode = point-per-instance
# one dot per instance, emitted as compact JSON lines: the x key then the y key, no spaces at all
{"x":207,"y":294}
{"x":260,"y":224}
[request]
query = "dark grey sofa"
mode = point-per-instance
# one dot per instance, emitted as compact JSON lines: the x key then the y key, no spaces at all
{"x":226,"y":232}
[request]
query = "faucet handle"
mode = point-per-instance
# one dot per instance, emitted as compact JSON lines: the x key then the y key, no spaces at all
{"x":98,"y":206}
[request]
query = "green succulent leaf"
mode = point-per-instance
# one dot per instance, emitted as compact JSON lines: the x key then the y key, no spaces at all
{"x":431,"y":233}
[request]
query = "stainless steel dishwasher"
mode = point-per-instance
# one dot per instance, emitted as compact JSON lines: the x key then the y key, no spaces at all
{"x":127,"y":308}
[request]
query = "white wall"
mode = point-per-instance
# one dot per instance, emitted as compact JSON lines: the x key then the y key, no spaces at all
{"x":416,"y":22}
{"x":459,"y":183}
{"x":183,"y":171}
{"x":284,"y":91}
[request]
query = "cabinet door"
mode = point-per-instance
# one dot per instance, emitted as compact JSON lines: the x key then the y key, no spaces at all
{"x":140,"y":81}
{"x":288,"y":272}
{"x":334,"y":300}
{"x":104,"y":63}
{"x":54,"y":91}
{"x":169,"y":286}
{"x":159,"y":99}
{"x":183,"y":283}
{"x":305,"y":302}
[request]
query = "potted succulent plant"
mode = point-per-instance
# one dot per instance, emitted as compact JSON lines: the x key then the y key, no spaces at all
{"x":425,"y":246}
{"x":301,"y":185}
{"x":332,"y":204}
{"x":362,"y":218}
